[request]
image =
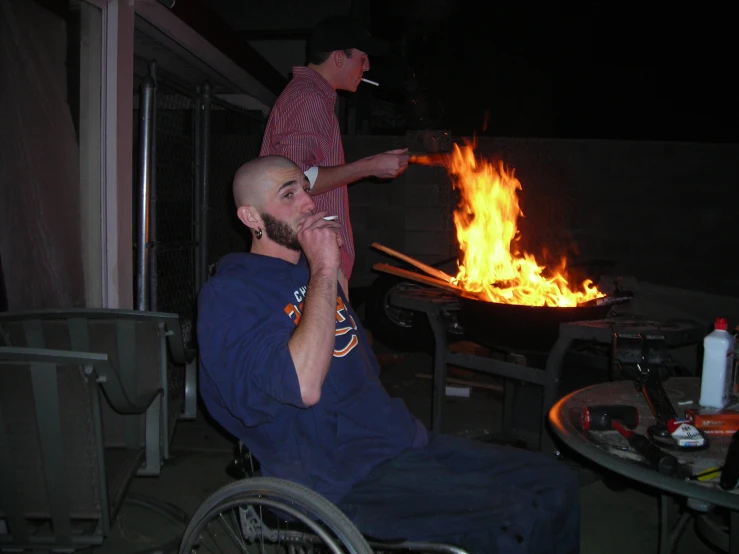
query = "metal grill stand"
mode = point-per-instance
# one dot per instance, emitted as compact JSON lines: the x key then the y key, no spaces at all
{"x":434,"y":302}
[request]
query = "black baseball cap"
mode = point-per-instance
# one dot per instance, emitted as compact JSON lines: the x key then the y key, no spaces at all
{"x":340,"y":32}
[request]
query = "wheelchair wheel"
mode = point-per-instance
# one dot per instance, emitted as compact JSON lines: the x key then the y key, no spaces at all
{"x":266,"y":514}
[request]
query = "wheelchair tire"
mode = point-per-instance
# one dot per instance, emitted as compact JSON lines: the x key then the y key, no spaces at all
{"x":277,"y":494}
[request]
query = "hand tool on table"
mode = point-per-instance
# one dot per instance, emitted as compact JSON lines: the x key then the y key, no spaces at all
{"x":643,"y":359}
{"x":707,"y":474}
{"x":624,"y":418}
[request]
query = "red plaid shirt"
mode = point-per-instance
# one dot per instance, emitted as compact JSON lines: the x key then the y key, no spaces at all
{"x":303,"y":127}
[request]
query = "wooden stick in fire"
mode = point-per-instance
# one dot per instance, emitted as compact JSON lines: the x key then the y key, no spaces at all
{"x":429,"y":159}
{"x":411,"y":276}
{"x":420,"y":265}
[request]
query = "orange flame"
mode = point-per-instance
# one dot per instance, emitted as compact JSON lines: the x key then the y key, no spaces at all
{"x":486,"y":225}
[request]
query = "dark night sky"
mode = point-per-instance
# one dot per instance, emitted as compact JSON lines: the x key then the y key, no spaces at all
{"x":580,"y":70}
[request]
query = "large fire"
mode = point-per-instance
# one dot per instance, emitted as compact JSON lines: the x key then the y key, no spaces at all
{"x":486,"y":226}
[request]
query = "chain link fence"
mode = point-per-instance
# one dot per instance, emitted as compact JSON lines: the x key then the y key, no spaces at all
{"x":235,"y":138}
{"x":174,"y":208}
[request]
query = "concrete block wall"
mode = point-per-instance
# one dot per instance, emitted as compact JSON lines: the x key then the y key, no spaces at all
{"x":411,"y":214}
{"x":663,"y":213}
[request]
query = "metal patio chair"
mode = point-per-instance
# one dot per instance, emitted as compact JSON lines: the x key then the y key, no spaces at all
{"x":149,"y":352}
{"x":60,"y":486}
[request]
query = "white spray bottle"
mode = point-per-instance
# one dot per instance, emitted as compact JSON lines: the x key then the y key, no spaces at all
{"x":718,"y":363}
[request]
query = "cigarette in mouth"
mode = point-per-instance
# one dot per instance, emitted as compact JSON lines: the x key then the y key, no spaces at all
{"x":371,"y":82}
{"x":331,"y":217}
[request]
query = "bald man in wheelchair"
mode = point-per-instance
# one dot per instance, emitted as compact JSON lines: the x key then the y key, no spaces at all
{"x":286,"y":368}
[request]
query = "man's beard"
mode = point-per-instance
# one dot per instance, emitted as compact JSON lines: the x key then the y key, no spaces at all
{"x":280,"y":232}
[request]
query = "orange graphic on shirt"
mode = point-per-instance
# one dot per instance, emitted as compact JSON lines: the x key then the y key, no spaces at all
{"x":342,"y":330}
{"x":346,"y":327}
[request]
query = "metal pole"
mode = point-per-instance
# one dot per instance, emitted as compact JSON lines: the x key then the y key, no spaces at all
{"x":153,"y":291}
{"x":147,"y":96}
{"x":196,"y":186}
{"x":206,"y":183}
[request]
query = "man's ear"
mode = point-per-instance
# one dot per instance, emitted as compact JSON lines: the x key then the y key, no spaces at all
{"x":339,"y":58}
{"x":249,"y":217}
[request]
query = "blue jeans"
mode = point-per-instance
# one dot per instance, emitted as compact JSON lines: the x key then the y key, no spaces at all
{"x":484,"y":498}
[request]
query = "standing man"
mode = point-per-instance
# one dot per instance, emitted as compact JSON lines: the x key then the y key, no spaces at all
{"x":303,"y":126}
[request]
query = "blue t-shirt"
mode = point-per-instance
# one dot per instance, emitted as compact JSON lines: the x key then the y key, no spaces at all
{"x":247,"y":313}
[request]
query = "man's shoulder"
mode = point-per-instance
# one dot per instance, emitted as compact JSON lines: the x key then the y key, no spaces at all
{"x":232,"y":272}
{"x":300,"y":90}
{"x":246,"y":275}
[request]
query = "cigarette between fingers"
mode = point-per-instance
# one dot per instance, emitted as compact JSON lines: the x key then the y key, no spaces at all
{"x":331,"y":217}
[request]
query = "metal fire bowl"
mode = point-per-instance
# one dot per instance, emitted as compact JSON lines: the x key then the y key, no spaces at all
{"x":522,"y":328}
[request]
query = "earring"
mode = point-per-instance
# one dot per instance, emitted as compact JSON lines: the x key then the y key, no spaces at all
{"x":258,"y":234}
